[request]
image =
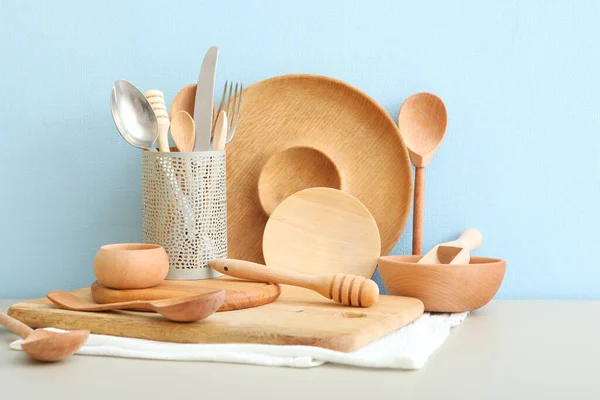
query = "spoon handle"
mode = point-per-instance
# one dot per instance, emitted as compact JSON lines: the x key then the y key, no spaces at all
{"x":418,"y":206}
{"x":15,"y":326}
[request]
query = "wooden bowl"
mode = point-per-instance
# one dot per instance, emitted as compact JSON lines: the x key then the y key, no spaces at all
{"x":131,"y":265}
{"x":443,"y":288}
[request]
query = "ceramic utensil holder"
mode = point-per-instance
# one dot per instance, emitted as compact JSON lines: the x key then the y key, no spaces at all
{"x":184,"y":209}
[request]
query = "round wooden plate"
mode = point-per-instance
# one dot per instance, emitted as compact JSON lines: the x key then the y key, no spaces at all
{"x":302,"y":131}
{"x":239,"y":293}
{"x":322,"y":230}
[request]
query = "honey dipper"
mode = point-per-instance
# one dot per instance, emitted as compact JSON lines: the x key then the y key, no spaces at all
{"x":350,"y":290}
{"x":156,"y":98}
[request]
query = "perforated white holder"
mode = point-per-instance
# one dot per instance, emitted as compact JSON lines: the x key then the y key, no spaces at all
{"x":184,"y":209}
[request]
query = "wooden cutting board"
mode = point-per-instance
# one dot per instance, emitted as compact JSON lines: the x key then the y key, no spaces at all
{"x":239,"y":293}
{"x":298,"y":317}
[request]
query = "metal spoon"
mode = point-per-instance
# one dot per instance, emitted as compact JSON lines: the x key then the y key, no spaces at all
{"x":133,"y":115}
{"x":181,"y":309}
{"x":45,"y":345}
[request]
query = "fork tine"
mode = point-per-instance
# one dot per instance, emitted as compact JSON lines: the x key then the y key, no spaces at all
{"x":239,"y":105}
{"x":234,"y":106}
{"x":228,"y":102}
{"x":223,"y":97}
{"x":220,"y":107}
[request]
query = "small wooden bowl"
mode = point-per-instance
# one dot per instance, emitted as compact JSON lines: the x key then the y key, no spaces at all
{"x":131,"y":265}
{"x":443,"y":288}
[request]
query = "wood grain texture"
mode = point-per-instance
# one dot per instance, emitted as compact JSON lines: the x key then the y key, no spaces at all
{"x":183,"y":131}
{"x":322,"y":231}
{"x":239,"y":294}
{"x":419,"y":207}
{"x":339,"y":121}
{"x":131,"y":265}
{"x":443,"y":288}
{"x":299,"y":317}
{"x":347,"y":289}
{"x":181,"y":309}
{"x":422,"y":121}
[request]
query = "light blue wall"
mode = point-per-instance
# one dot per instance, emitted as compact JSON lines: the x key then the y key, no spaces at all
{"x":520,"y":79}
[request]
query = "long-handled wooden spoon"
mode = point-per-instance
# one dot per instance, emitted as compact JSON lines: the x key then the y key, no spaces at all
{"x":350,"y":290}
{"x":183,"y":309}
{"x":422,"y":122}
{"x":183,"y":131}
{"x":45,"y":345}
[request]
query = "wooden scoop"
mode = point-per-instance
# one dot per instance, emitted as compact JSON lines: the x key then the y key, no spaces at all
{"x":182,"y":309}
{"x":351,"y":290}
{"x":183,"y":131}
{"x":454,"y":252}
{"x":422,"y":122}
{"x":45,"y":345}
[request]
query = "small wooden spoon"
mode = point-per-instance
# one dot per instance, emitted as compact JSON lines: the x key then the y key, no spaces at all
{"x":183,"y":131}
{"x":422,"y":122}
{"x":45,"y":345}
{"x":183,"y":309}
{"x":220,"y":133}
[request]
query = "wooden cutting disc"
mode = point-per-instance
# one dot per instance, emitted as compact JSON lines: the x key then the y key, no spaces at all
{"x":239,"y":294}
{"x":302,"y":131}
{"x":322,"y":230}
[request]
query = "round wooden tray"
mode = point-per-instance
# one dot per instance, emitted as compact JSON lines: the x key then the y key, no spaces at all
{"x":301,"y":131}
{"x":239,"y":293}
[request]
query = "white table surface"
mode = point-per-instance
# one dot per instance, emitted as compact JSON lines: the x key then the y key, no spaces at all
{"x":508,"y":350}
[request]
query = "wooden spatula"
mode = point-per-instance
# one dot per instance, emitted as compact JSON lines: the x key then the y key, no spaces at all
{"x":454,"y":252}
{"x":322,"y":231}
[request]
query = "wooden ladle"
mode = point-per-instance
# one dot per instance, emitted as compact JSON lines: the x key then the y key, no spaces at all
{"x":182,"y":309}
{"x":422,"y":122}
{"x":45,"y":345}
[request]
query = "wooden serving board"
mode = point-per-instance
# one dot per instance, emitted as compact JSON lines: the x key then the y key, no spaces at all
{"x":239,"y":293}
{"x":298,"y":317}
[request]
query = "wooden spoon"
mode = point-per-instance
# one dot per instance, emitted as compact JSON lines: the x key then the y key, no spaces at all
{"x":220,"y":133}
{"x":183,"y":131}
{"x":350,"y":290}
{"x":183,"y":309}
{"x":45,"y":345}
{"x":422,"y":122}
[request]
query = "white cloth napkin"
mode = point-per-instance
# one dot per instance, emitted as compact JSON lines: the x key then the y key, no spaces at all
{"x":406,"y":348}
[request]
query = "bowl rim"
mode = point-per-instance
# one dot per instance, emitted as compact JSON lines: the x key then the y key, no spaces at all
{"x":131,"y":247}
{"x":396,"y":260}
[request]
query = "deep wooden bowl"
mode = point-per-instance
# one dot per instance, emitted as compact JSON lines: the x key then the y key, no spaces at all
{"x":131,"y":265}
{"x":443,"y":288}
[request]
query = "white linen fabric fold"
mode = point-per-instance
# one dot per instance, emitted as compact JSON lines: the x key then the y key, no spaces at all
{"x":406,"y":348}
